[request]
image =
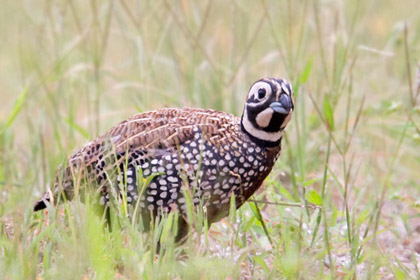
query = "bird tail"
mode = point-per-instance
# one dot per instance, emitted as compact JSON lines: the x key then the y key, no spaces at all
{"x":62,"y":187}
{"x":42,"y":203}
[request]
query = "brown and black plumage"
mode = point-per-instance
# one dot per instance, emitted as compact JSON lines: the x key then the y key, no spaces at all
{"x":213,"y":153}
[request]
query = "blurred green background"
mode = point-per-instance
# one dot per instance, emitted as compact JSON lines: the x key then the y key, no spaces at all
{"x":69,"y":70}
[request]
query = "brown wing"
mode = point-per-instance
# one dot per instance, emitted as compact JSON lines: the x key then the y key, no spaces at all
{"x":157,"y":130}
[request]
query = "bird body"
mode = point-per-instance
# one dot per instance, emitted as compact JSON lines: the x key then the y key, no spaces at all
{"x":211,"y":153}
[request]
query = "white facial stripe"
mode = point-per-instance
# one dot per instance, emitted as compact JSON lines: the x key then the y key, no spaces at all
{"x":263,"y":119}
{"x":258,"y":133}
{"x":285,"y":89}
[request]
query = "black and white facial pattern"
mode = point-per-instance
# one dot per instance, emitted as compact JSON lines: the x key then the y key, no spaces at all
{"x":268,"y":110}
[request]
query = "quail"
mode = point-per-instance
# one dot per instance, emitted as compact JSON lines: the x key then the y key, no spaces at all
{"x":213,"y":154}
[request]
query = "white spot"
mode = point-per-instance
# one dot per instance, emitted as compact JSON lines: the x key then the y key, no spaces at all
{"x":145,"y":165}
{"x":174,"y":195}
{"x":184,"y":208}
{"x":150,"y":198}
{"x":129,"y":180}
{"x":172,"y":179}
{"x":241,"y":170}
{"x":181,"y":200}
{"x":231,"y":163}
{"x":151,"y":207}
{"x":226,"y":200}
{"x":129,"y":199}
{"x":163,"y":194}
{"x":154,"y":162}
{"x":221,"y":162}
{"x":161,"y":169}
{"x":218,"y":191}
{"x":153,"y":186}
{"x":130,"y":188}
{"x":159,"y":202}
{"x":162,"y":182}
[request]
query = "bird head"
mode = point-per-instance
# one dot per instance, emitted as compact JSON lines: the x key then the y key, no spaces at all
{"x":268,"y":110}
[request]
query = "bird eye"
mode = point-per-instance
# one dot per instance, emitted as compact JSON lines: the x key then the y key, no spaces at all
{"x":261,"y":93}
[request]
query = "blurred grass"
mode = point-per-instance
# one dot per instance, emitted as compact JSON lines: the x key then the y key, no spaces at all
{"x":343,"y":200}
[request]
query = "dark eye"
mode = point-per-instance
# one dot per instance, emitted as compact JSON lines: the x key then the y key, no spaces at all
{"x":261,"y":93}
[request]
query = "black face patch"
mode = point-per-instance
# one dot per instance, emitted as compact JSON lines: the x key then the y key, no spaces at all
{"x":275,"y":123}
{"x":253,"y":111}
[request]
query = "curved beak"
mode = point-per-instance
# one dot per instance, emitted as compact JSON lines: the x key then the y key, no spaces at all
{"x":283,"y":106}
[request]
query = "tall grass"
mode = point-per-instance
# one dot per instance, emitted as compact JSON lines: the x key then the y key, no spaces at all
{"x":342,"y":201}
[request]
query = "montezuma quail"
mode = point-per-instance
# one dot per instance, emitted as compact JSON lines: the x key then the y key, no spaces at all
{"x":212,"y":153}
